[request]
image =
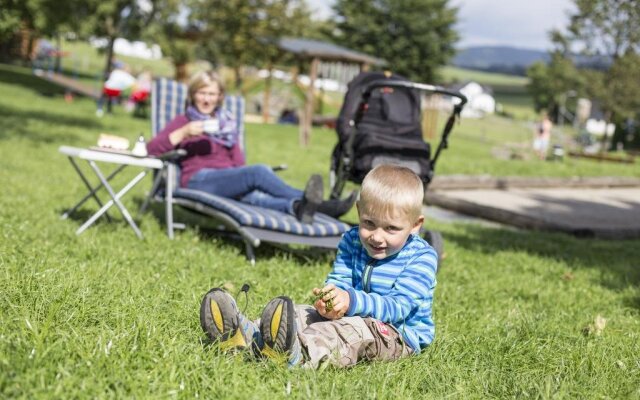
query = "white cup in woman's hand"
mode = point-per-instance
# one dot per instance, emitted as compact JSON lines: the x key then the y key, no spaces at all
{"x":211,"y":126}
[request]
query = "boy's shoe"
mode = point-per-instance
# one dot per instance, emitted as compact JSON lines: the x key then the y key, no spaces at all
{"x":222,"y":322}
{"x":279,"y":332}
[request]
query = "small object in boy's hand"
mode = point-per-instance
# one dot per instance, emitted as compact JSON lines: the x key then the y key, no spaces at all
{"x":328,"y":303}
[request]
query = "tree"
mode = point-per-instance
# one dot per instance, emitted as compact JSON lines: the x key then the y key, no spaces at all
{"x":245,"y":32}
{"x":172,"y":32}
{"x":549,"y":84}
{"x":283,"y":18}
{"x":27,"y":20}
{"x":619,"y":93}
{"x":111,"y":19}
{"x":609,"y":27}
{"x":228,"y":31}
{"x":415,"y":37}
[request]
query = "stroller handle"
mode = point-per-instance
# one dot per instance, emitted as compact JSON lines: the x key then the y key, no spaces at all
{"x":412,"y":85}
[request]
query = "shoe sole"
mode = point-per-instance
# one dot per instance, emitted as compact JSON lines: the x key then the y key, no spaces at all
{"x":313,"y":195}
{"x":219,"y":319}
{"x":277,"y":327}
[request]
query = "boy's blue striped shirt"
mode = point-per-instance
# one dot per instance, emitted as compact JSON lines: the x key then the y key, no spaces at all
{"x":400,"y":286}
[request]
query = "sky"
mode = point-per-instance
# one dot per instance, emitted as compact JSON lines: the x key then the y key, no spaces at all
{"x":517,"y":23}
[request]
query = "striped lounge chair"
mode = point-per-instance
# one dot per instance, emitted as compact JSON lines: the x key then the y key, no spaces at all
{"x":253,"y":224}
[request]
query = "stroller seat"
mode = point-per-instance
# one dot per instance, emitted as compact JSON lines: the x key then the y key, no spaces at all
{"x":380,"y":123}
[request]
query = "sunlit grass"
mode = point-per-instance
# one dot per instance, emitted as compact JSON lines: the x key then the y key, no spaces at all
{"x":105,"y":315}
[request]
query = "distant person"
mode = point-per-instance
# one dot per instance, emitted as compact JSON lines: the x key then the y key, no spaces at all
{"x":120,"y":79}
{"x":44,"y":57}
{"x":375,"y":303}
{"x":140,"y":93}
{"x":288,"y":116}
{"x":542,"y":136}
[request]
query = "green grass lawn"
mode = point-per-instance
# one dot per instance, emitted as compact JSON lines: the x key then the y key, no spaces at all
{"x":105,"y":315}
{"x":455,"y":74}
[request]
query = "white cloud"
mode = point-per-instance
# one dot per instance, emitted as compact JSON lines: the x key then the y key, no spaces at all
{"x":520,"y":23}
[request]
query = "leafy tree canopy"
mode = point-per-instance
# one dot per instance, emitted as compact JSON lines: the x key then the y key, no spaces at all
{"x":415,"y":37}
{"x":242,"y":32}
{"x":608,"y":27}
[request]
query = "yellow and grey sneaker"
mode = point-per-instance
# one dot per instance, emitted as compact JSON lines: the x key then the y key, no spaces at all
{"x":279,"y":333}
{"x":223,"y":323}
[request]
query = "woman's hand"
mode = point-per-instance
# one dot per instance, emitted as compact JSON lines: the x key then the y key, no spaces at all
{"x":334,"y":304}
{"x":193,"y":128}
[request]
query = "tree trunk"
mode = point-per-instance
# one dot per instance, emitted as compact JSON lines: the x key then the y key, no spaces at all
{"x":607,"y":120}
{"x":305,"y":126}
{"x":267,"y":94}
{"x":238,"y":77}
{"x":110,"y":25}
{"x":58,"y":66}
{"x":25,"y":45}
{"x":181,"y":71}
{"x":108,"y":64}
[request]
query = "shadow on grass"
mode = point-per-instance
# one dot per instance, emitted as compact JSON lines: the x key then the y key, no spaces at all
{"x":308,"y":256}
{"x":617,"y":260}
{"x":85,"y":212}
{"x":589,"y":219}
{"x":14,"y":125}
{"x":204,"y":226}
{"x":22,"y":76}
{"x":80,"y":75}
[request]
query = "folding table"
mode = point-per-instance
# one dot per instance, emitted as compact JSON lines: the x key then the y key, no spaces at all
{"x":93,"y":157}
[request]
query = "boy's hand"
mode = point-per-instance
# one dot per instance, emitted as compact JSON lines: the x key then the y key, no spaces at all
{"x":332,"y":302}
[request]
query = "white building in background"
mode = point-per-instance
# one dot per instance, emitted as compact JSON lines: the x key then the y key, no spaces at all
{"x":480,"y":100}
{"x":124,"y":47}
{"x":137,"y":49}
{"x":597,"y":127}
{"x":330,"y":85}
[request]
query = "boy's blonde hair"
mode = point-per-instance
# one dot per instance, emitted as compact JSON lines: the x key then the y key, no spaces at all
{"x":202,"y":79}
{"x":389,"y":189}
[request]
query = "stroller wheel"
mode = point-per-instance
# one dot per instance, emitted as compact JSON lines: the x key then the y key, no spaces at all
{"x":434,"y":238}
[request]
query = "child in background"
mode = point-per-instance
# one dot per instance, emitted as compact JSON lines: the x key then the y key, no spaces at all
{"x":543,"y":136}
{"x":119,"y":80}
{"x":140,"y":93}
{"x":376,"y":301}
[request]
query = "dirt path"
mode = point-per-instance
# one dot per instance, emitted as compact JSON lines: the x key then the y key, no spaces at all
{"x":603,"y":212}
{"x":70,"y":84}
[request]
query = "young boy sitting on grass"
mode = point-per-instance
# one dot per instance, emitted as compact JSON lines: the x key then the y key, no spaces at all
{"x":376,"y":302}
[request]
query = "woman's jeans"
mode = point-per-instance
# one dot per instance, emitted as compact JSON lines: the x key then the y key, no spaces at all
{"x":254,"y":184}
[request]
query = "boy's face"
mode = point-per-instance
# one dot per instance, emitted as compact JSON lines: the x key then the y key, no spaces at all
{"x":384,"y":236}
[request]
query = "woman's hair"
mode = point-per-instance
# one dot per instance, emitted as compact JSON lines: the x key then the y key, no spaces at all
{"x":202,"y":79}
{"x":389,"y":189}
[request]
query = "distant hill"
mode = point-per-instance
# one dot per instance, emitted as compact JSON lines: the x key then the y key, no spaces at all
{"x":513,"y":60}
{"x":504,"y":59}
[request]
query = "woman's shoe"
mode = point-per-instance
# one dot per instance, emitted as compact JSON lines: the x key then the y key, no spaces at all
{"x":337,"y":208}
{"x":311,"y":199}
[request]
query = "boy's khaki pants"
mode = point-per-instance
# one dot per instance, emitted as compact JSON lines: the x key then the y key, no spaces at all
{"x":345,"y":341}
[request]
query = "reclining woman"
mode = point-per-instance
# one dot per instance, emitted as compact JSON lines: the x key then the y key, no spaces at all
{"x":215,"y":162}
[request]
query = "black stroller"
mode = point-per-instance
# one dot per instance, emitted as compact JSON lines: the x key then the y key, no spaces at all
{"x":379,"y":123}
